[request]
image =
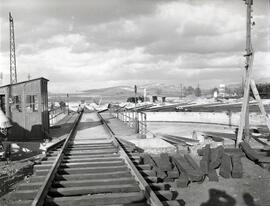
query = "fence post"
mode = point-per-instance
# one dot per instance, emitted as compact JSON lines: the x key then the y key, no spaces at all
{"x":137,"y":126}
{"x":145,"y":124}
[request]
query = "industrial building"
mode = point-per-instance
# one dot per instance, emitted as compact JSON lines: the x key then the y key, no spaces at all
{"x":26,"y":106}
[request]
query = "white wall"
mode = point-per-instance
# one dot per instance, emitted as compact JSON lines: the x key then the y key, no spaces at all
{"x":203,"y":117}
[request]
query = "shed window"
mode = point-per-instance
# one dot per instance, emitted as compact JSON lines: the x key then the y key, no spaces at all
{"x":31,"y":103}
{"x":17,"y":102}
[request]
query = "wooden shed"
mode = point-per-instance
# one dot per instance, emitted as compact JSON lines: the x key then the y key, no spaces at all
{"x":26,"y":105}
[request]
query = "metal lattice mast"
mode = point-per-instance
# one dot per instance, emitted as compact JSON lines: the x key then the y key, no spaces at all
{"x":13,"y":72}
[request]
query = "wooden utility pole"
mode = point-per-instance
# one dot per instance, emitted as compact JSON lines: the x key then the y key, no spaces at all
{"x":244,"y":117}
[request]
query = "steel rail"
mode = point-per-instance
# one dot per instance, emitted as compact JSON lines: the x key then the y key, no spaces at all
{"x":42,"y":193}
{"x":148,"y":192}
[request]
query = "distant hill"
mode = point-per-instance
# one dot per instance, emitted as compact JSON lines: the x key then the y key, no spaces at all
{"x":121,"y":93}
{"x":118,"y":93}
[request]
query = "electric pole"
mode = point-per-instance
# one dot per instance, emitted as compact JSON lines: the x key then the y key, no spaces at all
{"x":13,"y":72}
{"x":244,"y":117}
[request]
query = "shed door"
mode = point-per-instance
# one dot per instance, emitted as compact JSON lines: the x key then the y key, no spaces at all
{"x":32,"y":117}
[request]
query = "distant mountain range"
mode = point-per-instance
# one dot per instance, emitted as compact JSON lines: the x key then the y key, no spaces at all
{"x":121,"y":93}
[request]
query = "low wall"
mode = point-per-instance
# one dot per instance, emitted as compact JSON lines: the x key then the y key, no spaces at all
{"x":224,"y":118}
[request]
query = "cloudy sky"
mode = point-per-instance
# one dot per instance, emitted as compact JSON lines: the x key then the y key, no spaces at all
{"x":84,"y":44}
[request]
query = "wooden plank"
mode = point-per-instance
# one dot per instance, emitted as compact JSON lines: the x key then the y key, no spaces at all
{"x":192,"y":162}
{"x":215,"y":157}
{"x":212,"y":175}
{"x":143,"y":166}
{"x":147,"y":159}
{"x":89,"y":148}
{"x":91,"y":152}
{"x":152,"y":179}
{"x":98,"y":199}
{"x":119,"y":162}
{"x":163,"y":162}
{"x":84,"y":190}
{"x":81,"y":160}
{"x":220,"y":135}
{"x":179,"y":138}
{"x":237,"y":167}
{"x":84,"y":170}
{"x":186,"y":168}
{"x":205,"y":161}
{"x":92,"y":169}
{"x":226,"y":166}
{"x":68,"y":157}
{"x":165,"y":195}
{"x":160,"y":186}
{"x":27,"y":203}
{"x":180,"y":202}
{"x":24,"y":194}
{"x":173,"y":174}
{"x":182,"y":181}
{"x":77,"y":183}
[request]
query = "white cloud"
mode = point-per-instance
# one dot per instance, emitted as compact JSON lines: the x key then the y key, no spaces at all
{"x":97,"y":45}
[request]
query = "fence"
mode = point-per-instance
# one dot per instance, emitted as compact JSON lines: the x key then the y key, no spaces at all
{"x":133,"y":120}
{"x":56,"y":115}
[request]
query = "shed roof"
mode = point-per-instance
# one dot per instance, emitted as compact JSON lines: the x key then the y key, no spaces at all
{"x":40,"y":78}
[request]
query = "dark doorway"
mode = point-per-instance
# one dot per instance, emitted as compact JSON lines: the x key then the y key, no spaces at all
{"x":3,"y":103}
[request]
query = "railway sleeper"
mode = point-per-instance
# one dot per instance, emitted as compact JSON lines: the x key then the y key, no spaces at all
{"x":99,"y":199}
{"x":85,"y":152}
{"x":89,"y":148}
{"x":173,"y":202}
{"x":84,"y":170}
{"x":95,"y":176}
{"x":75,"y":160}
{"x":89,"y":141}
{"x":81,"y":164}
{"x":161,"y":186}
{"x":151,"y":179}
{"x":77,"y":183}
{"x":24,"y":194}
{"x":85,"y":156}
{"x":94,"y":151}
{"x":90,"y":144}
{"x":97,"y":189}
{"x":165,"y":195}
{"x":29,"y":202}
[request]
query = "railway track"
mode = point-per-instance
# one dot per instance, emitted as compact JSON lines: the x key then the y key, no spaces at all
{"x":90,"y":168}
